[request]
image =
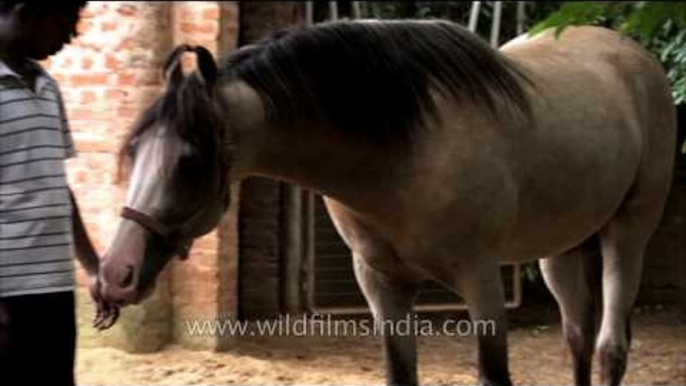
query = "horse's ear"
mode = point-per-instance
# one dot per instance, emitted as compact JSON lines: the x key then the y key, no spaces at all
{"x":206,"y":64}
{"x":173,"y":68}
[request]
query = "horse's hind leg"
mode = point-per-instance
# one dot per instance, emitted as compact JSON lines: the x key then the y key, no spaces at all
{"x":623,"y":242}
{"x":390,"y":300}
{"x":624,"y":239}
{"x":574,"y":280}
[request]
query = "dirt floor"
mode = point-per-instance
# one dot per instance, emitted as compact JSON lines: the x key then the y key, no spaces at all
{"x":537,"y":353}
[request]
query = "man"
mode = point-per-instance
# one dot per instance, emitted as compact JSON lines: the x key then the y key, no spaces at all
{"x":40,"y":226}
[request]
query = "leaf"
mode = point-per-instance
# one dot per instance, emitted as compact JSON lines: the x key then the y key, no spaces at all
{"x":660,"y":27}
{"x":571,"y":13}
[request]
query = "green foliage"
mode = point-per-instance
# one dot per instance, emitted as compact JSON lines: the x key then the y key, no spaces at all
{"x":659,"y":26}
{"x":641,"y":19}
{"x":670,"y":44}
{"x":576,"y":13}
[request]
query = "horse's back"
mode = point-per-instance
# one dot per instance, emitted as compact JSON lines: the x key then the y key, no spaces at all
{"x":629,"y":79}
{"x":588,"y":50}
{"x":598,"y":57}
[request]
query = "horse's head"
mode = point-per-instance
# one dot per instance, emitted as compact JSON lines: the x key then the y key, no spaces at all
{"x":178,"y":180}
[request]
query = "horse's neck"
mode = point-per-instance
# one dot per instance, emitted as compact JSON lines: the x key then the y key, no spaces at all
{"x":314,"y":157}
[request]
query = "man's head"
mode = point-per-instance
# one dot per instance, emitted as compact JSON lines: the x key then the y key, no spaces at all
{"x":29,"y":29}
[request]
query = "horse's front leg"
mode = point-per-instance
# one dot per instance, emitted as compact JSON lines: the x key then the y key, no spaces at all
{"x":390,"y":300}
{"x":481,"y":287}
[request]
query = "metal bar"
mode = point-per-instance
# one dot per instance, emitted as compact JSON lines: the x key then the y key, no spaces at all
{"x":293,"y":248}
{"x":474,"y":16}
{"x":333,"y":10}
{"x":310,"y":223}
{"x":428,"y":307}
{"x":521,"y":16}
{"x":517,"y":286}
{"x":357,"y":10}
{"x":514,"y":302}
{"x":309,"y":13}
{"x":495,"y":25}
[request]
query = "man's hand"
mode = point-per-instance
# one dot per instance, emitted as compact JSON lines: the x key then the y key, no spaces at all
{"x":106,"y":314}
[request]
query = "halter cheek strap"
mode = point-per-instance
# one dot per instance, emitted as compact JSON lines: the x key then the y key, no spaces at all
{"x":175,"y":239}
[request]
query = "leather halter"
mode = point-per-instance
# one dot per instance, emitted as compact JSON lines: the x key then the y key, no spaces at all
{"x":174,"y":238}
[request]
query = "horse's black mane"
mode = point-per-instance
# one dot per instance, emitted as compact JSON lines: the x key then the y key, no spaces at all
{"x":373,"y":78}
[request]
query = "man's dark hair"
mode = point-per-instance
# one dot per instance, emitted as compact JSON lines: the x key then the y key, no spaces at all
{"x":42,"y":8}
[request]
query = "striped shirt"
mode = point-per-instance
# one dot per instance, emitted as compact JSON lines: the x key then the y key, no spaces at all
{"x":35,"y":210}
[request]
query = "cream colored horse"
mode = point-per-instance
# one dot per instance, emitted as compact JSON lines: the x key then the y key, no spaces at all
{"x":439,"y":158}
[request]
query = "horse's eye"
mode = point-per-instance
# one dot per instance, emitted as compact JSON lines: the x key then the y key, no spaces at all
{"x":192,"y":164}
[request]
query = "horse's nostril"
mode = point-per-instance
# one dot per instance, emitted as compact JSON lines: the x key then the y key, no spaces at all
{"x":128,"y":279}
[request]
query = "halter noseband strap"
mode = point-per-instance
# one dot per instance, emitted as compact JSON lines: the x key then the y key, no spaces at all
{"x":175,"y":239}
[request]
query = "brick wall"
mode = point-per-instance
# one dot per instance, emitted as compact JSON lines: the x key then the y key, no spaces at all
{"x":200,"y":289}
{"x":108,"y":75}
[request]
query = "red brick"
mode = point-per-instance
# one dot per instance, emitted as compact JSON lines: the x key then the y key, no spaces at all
{"x":88,"y":97}
{"x":125,"y":44}
{"x":198,"y":28}
{"x":84,"y":113}
{"x":127,"y":112}
{"x":108,"y":26}
{"x":88,"y":79}
{"x":186,"y":13}
{"x":87,"y":13}
{"x":86,"y":63}
{"x":94,"y":145}
{"x":211,"y":14}
{"x":207,"y":243}
{"x":127,"y":10}
{"x":84,"y":26}
{"x":126,"y":79}
{"x":60,"y":78}
{"x":114,"y":95}
{"x":81,"y":177}
{"x":111,"y":62}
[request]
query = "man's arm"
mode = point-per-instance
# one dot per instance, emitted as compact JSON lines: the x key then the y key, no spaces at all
{"x":106,"y":314}
{"x":85,"y":252}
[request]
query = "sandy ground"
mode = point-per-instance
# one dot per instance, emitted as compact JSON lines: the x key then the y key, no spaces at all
{"x":537,"y":353}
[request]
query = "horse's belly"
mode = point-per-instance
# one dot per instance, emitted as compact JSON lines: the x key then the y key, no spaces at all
{"x":560,"y":212}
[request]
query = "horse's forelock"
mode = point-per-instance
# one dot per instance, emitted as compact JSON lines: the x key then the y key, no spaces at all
{"x":187,"y":107}
{"x":173,"y":69}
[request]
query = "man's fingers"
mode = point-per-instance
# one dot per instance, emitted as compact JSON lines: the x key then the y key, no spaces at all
{"x":105,"y":315}
{"x":112,"y":318}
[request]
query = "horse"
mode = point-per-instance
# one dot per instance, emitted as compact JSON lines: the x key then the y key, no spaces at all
{"x":438,"y":157}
